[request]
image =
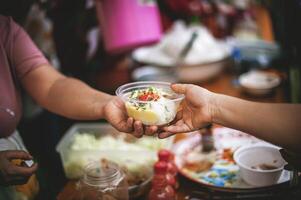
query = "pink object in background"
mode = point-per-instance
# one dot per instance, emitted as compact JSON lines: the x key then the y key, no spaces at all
{"x":127,"y":24}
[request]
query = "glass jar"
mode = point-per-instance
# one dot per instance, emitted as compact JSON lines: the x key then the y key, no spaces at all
{"x":103,"y":180}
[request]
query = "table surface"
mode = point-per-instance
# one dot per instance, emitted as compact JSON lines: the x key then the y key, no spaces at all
{"x":223,"y":84}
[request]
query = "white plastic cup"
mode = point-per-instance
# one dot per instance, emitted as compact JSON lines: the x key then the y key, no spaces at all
{"x":254,"y":155}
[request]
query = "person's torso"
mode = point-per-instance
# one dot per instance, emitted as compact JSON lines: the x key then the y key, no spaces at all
{"x":10,"y":101}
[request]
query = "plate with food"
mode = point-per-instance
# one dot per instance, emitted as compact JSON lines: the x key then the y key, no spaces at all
{"x":218,"y":169}
{"x":151,"y":102}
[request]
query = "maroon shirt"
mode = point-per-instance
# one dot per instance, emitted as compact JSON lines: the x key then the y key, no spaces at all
{"x":18,"y":57}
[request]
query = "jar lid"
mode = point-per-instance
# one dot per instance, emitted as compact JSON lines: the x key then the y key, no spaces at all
{"x":104,"y":174}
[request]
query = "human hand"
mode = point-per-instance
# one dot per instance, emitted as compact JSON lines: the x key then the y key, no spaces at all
{"x":115,"y":113}
{"x":11,"y":174}
{"x":195,"y":112}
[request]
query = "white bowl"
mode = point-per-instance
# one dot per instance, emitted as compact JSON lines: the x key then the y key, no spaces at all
{"x":259,"y":82}
{"x":248,"y":159}
{"x":201,"y":72}
{"x":153,"y":73}
{"x":158,"y":111}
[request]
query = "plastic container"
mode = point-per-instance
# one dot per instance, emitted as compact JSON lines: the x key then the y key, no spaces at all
{"x":248,"y":161}
{"x":74,"y":161}
{"x":150,"y":111}
{"x":128,"y":24}
{"x":103,"y":180}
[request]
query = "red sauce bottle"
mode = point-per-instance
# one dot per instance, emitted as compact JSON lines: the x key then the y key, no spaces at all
{"x":161,"y":190}
{"x":172,"y":170}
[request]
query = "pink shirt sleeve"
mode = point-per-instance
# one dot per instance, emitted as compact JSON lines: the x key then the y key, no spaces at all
{"x":22,"y":52}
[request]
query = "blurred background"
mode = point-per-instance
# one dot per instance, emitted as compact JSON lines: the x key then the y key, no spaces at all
{"x":244,"y":48}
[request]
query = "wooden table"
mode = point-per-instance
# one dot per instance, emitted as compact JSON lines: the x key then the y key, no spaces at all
{"x":224,"y":85}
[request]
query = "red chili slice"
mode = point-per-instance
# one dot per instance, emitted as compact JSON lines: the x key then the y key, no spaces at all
{"x":148,"y":96}
{"x":143,"y":97}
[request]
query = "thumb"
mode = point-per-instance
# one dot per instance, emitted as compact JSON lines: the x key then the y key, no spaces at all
{"x":179,"y":88}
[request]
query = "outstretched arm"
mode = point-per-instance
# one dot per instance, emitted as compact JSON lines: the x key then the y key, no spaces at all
{"x":74,"y":99}
{"x":65,"y":96}
{"x":279,"y":124}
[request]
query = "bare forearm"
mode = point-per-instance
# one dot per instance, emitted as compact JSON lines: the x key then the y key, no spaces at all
{"x":276,"y":123}
{"x":65,"y":96}
{"x":74,"y":99}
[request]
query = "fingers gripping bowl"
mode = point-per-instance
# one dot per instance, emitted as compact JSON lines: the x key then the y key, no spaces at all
{"x":151,"y":102}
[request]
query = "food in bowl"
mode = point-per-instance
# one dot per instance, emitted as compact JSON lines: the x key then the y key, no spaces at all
{"x":136,"y":157}
{"x":260,"y":165}
{"x":259,"y":82}
{"x":152,"y":103}
{"x":264,"y":166}
{"x":84,"y":143}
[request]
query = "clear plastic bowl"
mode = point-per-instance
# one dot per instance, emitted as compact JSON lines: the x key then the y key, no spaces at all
{"x":153,"y":112}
